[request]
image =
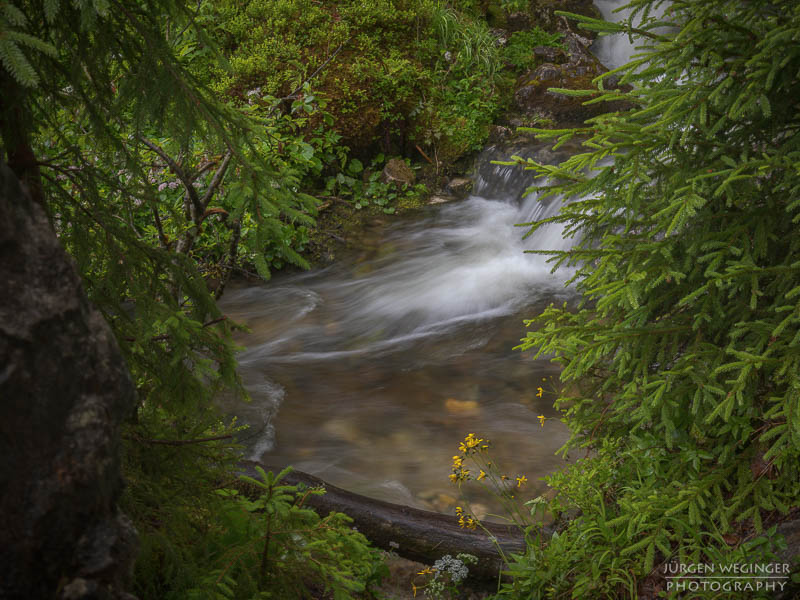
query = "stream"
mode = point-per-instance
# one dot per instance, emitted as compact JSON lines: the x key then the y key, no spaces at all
{"x":370,"y":372}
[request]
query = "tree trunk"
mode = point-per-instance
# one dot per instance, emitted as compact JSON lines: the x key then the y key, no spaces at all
{"x":64,"y":390}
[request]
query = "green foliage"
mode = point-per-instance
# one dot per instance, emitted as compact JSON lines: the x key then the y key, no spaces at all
{"x":453,"y":117}
{"x":391,"y":69}
{"x":512,"y":6}
{"x":12,"y":42}
{"x":681,"y":359}
{"x":519,"y":49}
{"x":365,"y":188}
{"x":258,"y":541}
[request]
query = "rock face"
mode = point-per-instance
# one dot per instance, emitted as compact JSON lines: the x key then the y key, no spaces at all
{"x":64,"y":389}
{"x":545,"y":17}
{"x":573,"y":70}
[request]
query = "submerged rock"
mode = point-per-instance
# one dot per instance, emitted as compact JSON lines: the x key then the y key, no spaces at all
{"x":461,"y":408}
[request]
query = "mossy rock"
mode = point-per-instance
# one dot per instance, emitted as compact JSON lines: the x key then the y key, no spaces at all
{"x":397,"y":171}
{"x":534,"y":98}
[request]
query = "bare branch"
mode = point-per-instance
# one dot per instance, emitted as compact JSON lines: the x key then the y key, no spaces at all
{"x":215,"y":181}
{"x":231,"y":262}
{"x":179,"y":172}
{"x":157,"y":218}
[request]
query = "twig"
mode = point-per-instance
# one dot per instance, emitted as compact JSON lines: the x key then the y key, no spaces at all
{"x":215,"y":321}
{"x":425,"y":156}
{"x":315,"y":73}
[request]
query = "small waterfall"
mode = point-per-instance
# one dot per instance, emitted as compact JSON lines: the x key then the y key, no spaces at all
{"x":616,"y":50}
{"x":369,"y":372}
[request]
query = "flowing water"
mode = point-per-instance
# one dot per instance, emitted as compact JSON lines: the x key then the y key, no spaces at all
{"x":369,"y":373}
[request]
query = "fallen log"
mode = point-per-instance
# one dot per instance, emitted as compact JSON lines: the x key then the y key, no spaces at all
{"x":415,"y":534}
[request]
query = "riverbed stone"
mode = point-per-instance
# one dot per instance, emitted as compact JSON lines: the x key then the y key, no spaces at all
{"x":461,"y":408}
{"x":441,"y":199}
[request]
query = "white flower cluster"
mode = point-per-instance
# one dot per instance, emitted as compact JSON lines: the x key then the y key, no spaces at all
{"x":456,"y":568}
{"x":171,"y":185}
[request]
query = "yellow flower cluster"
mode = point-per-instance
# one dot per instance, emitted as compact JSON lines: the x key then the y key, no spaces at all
{"x":470,"y":445}
{"x":473,"y":444}
{"x":465,"y":521}
{"x":459,"y":472}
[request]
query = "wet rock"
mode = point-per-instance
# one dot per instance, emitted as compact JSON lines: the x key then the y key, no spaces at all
{"x":545,"y":17}
{"x":550,"y":54}
{"x":460,"y":186}
{"x":518,"y":21}
{"x":536,"y":102}
{"x":397,"y":171}
{"x":65,"y":391}
{"x":441,"y":199}
{"x":499,"y":134}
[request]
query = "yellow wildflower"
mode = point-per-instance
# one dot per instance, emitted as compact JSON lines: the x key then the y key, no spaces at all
{"x":425,"y":571}
{"x":482,"y":475}
{"x":539,"y":392}
{"x":521,"y":480}
{"x":542,"y":419}
{"x":469,"y":443}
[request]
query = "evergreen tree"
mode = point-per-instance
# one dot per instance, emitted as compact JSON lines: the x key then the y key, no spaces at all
{"x":135,"y":159}
{"x":681,"y":361}
{"x":152,"y":183}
